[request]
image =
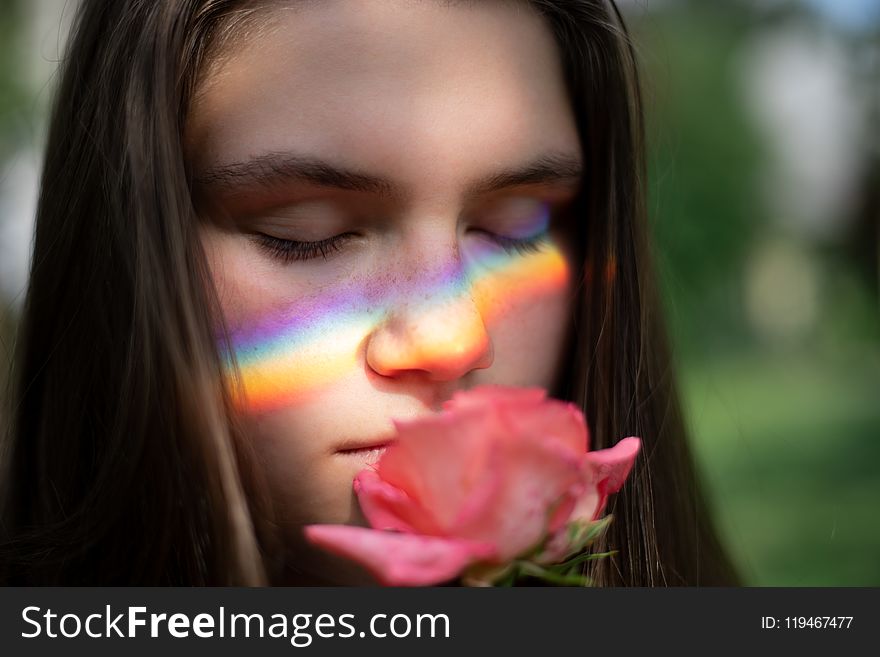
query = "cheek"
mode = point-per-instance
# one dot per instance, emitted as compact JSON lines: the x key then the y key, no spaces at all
{"x":244,"y":286}
{"x":293,"y":343}
{"x":291,"y":336}
{"x":516,"y":282}
{"x":527,"y":306}
{"x":307,"y":483}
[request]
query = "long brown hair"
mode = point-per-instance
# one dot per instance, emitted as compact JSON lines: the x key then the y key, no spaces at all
{"x":122,"y":465}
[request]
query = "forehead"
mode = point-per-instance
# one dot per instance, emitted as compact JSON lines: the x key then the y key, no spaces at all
{"x":415,"y":89}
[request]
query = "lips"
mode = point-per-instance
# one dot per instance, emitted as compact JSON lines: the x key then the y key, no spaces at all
{"x":369,"y":450}
{"x":374,"y":446}
{"x":369,"y":454}
{"x":364,"y":445}
{"x":365,"y":448}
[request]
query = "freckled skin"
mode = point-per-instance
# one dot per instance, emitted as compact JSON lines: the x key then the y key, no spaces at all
{"x":429,"y":96}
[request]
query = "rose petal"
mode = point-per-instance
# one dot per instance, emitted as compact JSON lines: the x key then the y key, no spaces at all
{"x":387,"y":507}
{"x":557,"y":548}
{"x":532,"y":413}
{"x":564,"y":508}
{"x":590,"y":504}
{"x":439,"y":460}
{"x":397,"y":559}
{"x":547,"y":419}
{"x":486,"y":396}
{"x":613,"y":464}
{"x":534,"y":477}
{"x":605,"y":471}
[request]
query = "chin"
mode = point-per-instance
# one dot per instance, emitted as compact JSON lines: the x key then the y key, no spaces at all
{"x":305,"y":565}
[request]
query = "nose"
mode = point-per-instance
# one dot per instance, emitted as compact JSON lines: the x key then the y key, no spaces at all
{"x":442,"y":335}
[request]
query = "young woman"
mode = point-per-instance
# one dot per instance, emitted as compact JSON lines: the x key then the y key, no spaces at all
{"x":268,"y":228}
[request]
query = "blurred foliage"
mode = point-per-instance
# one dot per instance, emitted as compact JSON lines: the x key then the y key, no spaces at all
{"x":703,"y":158}
{"x":14,"y":94}
{"x":790,"y":447}
{"x":786,"y":430}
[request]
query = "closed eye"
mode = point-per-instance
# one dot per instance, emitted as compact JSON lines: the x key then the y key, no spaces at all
{"x":288,"y":251}
{"x":517,"y":245}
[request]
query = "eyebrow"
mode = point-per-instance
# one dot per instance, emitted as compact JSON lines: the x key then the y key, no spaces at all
{"x":546,"y":169}
{"x":272,"y":169}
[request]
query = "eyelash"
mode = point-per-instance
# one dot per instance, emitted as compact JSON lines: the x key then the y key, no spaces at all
{"x":288,"y":251}
{"x":292,"y":251}
{"x":519,"y":245}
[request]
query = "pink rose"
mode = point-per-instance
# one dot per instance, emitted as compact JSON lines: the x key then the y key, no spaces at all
{"x":501,"y":474}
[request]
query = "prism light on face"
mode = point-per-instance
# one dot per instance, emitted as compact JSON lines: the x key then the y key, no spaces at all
{"x":285,"y":359}
{"x":427,"y":135}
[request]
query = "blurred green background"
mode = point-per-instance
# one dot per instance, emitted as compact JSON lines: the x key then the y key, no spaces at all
{"x":764,"y":122}
{"x":764,"y":132}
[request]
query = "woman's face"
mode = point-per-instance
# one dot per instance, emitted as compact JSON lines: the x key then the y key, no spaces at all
{"x":384,"y":187}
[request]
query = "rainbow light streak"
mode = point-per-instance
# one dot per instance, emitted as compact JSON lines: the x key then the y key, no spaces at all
{"x":287,"y":358}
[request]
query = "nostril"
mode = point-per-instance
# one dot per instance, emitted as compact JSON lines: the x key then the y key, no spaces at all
{"x":456,"y":359}
{"x":445,"y":342}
